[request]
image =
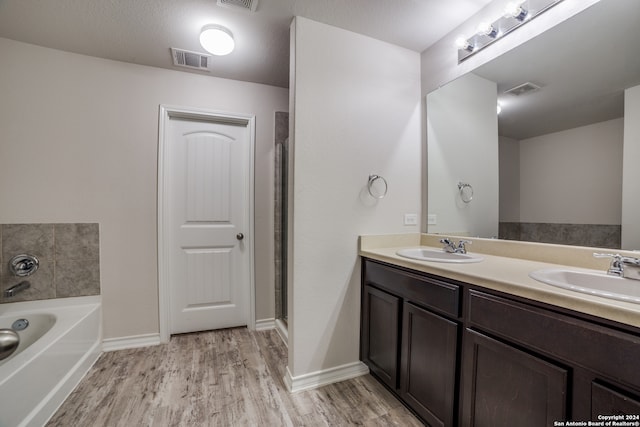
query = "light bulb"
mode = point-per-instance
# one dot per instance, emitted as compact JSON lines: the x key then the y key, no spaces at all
{"x":515,"y":10}
{"x":463,"y":44}
{"x":487,"y":29}
{"x":498,"y":108}
{"x":217,"y":40}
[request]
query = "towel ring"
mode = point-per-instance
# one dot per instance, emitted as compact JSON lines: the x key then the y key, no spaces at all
{"x":466,"y":192}
{"x":373,"y":192}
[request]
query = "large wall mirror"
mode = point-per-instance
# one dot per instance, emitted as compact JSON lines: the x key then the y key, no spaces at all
{"x":553,"y":164}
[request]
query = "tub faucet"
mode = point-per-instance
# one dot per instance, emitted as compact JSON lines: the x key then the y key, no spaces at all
{"x":15,"y":289}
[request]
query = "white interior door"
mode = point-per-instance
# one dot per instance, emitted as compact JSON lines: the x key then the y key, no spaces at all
{"x":206,"y":223}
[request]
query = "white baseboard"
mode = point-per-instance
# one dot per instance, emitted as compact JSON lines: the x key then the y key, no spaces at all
{"x":324,"y":377}
{"x":134,"y":341}
{"x":283,"y":331}
{"x":265,"y":324}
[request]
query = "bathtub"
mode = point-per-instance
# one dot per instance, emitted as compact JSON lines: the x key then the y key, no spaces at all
{"x":58,"y":347}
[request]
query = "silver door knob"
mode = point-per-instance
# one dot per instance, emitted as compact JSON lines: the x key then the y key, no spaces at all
{"x":239,"y":236}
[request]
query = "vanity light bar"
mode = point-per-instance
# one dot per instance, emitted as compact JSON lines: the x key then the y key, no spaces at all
{"x":515,"y":15}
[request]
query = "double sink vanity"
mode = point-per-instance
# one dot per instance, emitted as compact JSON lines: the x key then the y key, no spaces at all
{"x":508,"y":333}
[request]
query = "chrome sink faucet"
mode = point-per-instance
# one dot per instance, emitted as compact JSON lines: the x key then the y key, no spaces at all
{"x":622,"y":266}
{"x":451,"y":247}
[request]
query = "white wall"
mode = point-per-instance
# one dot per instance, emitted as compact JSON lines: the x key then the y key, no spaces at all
{"x":79,"y":143}
{"x":631,"y":171}
{"x":462,"y":129}
{"x":356,"y":111}
{"x":509,"y":165}
{"x":591,"y":193}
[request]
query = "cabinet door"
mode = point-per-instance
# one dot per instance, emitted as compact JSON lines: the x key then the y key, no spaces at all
{"x":504,"y":386}
{"x":380,"y":330}
{"x":429,"y":360}
{"x":606,"y":401}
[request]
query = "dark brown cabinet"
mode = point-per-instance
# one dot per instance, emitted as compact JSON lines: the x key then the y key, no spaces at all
{"x":410,"y":339}
{"x":507,"y":387}
{"x":607,"y":401}
{"x":379,"y":336}
{"x":461,"y":355}
{"x":429,"y":363}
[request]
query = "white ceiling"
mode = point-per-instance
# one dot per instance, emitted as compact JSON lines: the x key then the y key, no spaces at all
{"x":142,"y":31}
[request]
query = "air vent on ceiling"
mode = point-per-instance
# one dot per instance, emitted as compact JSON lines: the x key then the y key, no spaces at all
{"x":249,"y":5}
{"x":188,"y":59}
{"x":523,"y":89}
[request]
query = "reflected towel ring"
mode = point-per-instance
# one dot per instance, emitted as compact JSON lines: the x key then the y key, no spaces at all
{"x":374,"y":190}
{"x":466,"y":192}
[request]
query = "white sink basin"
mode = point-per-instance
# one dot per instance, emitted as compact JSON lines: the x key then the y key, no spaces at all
{"x":435,"y":255}
{"x":594,"y":283}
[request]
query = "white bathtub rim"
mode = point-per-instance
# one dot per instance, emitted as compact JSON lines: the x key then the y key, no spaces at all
{"x":64,"y":323}
{"x":38,"y":305}
{"x":47,"y":407}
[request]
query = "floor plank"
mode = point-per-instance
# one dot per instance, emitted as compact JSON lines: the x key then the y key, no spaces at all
{"x":230,"y":377}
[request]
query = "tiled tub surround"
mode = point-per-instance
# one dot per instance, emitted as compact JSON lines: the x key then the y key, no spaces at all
{"x":596,"y":235}
{"x":506,"y":267}
{"x":68,"y":254}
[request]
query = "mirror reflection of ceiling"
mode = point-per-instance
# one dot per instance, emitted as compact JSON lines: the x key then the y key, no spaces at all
{"x":583,"y":67}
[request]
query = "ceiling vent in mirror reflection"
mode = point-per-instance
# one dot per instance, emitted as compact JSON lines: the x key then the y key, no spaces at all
{"x":523,"y":89}
{"x":249,"y":5}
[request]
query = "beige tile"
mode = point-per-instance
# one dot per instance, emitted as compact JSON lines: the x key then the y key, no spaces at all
{"x":74,"y":278}
{"x":33,"y":239}
{"x":68,"y":256}
{"x":76,"y":241}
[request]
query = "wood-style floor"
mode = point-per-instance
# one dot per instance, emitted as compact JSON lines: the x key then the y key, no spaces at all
{"x":230,"y":377}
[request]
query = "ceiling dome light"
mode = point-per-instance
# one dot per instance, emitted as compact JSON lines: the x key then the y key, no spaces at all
{"x":217,"y":40}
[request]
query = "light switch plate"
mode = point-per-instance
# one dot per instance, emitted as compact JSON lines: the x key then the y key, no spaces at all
{"x":410,"y":219}
{"x":432,"y":219}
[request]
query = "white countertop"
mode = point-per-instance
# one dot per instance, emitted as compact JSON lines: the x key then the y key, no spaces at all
{"x":505,"y":274}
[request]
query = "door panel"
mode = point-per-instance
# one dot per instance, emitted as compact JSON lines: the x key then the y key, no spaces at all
{"x":208,"y":178}
{"x":208,"y":277}
{"x":208,"y":207}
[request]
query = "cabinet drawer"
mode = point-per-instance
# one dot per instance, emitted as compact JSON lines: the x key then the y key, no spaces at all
{"x":603,"y":350}
{"x":421,"y":290}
